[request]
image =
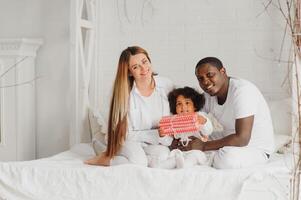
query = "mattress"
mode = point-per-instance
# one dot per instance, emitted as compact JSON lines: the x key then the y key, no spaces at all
{"x":64,"y":176}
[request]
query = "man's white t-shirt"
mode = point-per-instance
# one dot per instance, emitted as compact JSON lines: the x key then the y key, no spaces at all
{"x":244,"y":99}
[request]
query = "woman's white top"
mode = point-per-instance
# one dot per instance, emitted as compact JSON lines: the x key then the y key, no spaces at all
{"x":146,"y":112}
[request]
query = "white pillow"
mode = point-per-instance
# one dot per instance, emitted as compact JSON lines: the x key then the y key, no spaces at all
{"x":97,"y":127}
{"x":281,"y":112}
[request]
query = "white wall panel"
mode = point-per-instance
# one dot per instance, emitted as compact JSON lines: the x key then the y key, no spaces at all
{"x":48,"y":20}
{"x":177,"y":34}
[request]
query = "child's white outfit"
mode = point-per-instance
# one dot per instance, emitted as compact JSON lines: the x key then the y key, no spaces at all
{"x":177,"y":158}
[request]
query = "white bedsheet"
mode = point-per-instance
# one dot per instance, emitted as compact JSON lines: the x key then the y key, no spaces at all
{"x":64,"y":176}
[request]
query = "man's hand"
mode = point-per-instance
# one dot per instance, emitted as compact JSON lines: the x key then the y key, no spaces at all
{"x":175,"y":144}
{"x":197,"y":144}
{"x":194,"y":144}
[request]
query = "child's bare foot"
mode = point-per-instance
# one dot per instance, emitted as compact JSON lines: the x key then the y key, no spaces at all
{"x":99,"y":160}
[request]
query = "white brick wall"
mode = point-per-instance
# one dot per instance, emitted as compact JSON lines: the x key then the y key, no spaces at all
{"x":177,"y":34}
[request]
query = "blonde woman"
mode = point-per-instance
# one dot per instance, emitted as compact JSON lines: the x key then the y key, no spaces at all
{"x":138,"y":102}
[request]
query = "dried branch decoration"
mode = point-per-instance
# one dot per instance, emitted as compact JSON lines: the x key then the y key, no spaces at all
{"x":291,"y":12}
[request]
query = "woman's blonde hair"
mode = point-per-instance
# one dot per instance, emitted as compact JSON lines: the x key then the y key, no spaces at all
{"x":123,"y":84}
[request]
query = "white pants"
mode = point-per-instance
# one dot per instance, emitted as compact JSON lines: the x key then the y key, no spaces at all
{"x":177,"y":159}
{"x":157,"y":156}
{"x":131,"y":152}
{"x":230,"y":157}
{"x":139,"y":153}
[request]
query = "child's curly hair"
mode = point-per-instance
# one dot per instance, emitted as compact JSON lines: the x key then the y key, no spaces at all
{"x":189,"y":93}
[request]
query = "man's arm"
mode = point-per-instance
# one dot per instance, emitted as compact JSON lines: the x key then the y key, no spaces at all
{"x":243,"y":129}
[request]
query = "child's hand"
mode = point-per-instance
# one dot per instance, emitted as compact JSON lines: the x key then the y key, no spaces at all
{"x":160,"y":130}
{"x":204,"y":138}
{"x":201,"y":120}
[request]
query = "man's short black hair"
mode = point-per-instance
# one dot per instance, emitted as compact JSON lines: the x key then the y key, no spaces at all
{"x":189,"y":93}
{"x":210,"y":60}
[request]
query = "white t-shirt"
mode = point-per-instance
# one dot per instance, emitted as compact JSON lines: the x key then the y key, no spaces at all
{"x":244,"y":99}
{"x":146,"y":112}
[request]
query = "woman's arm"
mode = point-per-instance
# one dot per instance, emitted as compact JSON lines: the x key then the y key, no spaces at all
{"x":148,"y":136}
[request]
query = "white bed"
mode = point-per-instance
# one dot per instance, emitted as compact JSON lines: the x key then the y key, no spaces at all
{"x":64,"y":176}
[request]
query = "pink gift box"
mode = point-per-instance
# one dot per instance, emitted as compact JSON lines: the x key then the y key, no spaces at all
{"x":181,"y":123}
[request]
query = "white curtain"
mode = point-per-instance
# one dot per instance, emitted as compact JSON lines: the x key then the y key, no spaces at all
{"x":83,"y":68}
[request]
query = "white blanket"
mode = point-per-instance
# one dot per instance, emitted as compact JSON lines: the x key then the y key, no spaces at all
{"x":64,"y":176}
